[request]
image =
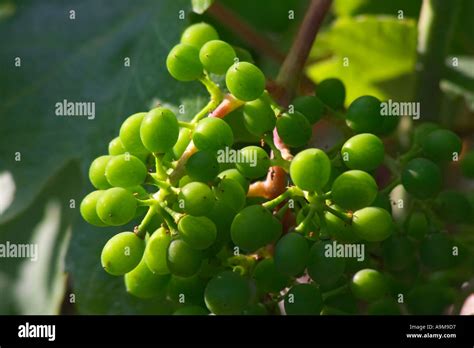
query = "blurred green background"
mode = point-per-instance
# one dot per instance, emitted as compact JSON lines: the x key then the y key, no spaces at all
{"x":82,"y":59}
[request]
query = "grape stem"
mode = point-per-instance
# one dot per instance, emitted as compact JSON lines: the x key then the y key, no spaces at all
{"x":140,"y":230}
{"x":346,"y":217}
{"x":216,"y":97}
{"x":160,"y":170}
{"x":289,"y":193}
{"x":302,"y":226}
{"x":227,"y":105}
{"x":336,"y":291}
{"x":387,"y":189}
{"x":168,"y":219}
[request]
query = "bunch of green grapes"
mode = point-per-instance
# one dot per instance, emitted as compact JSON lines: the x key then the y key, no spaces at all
{"x":206,"y":239}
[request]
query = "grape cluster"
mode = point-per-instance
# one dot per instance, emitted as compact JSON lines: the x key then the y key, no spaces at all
{"x":207,"y":239}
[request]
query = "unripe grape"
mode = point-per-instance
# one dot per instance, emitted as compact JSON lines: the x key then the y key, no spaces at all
{"x":363,"y":115}
{"x":202,"y":166}
{"x":310,"y":107}
{"x":310,"y":169}
{"x":323,"y":269}
{"x":429,"y":299}
{"x":363,"y":152}
{"x":125,"y":171}
{"x":338,"y":229}
{"x":159,"y":130}
{"x":97,"y":172}
{"x":453,"y":207}
{"x":467,"y":165}
{"x":421,"y":178}
{"x":436,"y":251}
{"x":254,"y":227}
{"x":197,"y":198}
{"x":417,"y":225}
{"x":199,"y":232}
{"x":155,"y":251}
{"x":217,"y":56}
{"x":254,"y":162}
{"x":354,"y":189}
{"x":116,"y":206}
{"x":144,"y":284}
{"x":267,"y":278}
{"x":369,"y":285}
{"x":372,"y":224}
{"x":191,"y":310}
{"x":259,"y":117}
{"x":122,"y":253}
{"x":291,"y":254}
{"x":198,"y":34}
{"x":230,"y":193}
{"x":245,"y":81}
{"x":88,"y":208}
{"x":227,"y":293}
{"x":189,"y":291}
{"x":294,"y":129}
{"x":235,"y":120}
{"x":398,"y":252}
{"x":183,"y":260}
{"x":183,"y":63}
{"x":332,"y":93}
{"x":212,"y":134}
{"x":384,"y":306}
{"x":116,"y":147}
{"x":422,"y":131}
{"x":442,"y":145}
{"x":130,"y":133}
{"x":234,"y":174}
{"x":303,"y":299}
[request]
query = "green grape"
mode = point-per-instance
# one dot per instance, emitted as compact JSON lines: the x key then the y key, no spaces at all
{"x":421,"y":178}
{"x":116,"y":147}
{"x":436,"y":251}
{"x":338,"y":229}
{"x":254,"y":227}
{"x":398,"y":253}
{"x":303,"y":299}
{"x":372,"y":224}
{"x":310,"y":169}
{"x":429,"y":299}
{"x":417,"y":225}
{"x":227,"y":293}
{"x":198,"y":34}
{"x":184,"y":137}
{"x":294,"y":129}
{"x":384,"y":306}
{"x":369,"y":285}
{"x":187,"y":291}
{"x":267,"y":278}
{"x":363,"y":115}
{"x":191,"y":310}
{"x":130,"y":133}
{"x":88,"y":208}
{"x":245,"y":81}
{"x":256,"y":309}
{"x":198,"y":231}
{"x":97,"y":172}
{"x":389,"y":125}
{"x":382,"y":201}
{"x":217,"y":56}
{"x":243,"y":55}
{"x":230,"y":192}
{"x":142,"y":283}
{"x":363,"y":151}
{"x":354,"y":189}
{"x":453,"y":207}
{"x":183,"y":63}
{"x":467,"y":165}
{"x":332,"y":93}
{"x":291,"y":254}
{"x":253,"y":162}
{"x":442,"y":145}
{"x":155,"y":251}
{"x":259,"y":117}
{"x":202,"y":166}
{"x":122,"y":253}
{"x":222,"y":215}
{"x":196,"y":198}
{"x":324,"y":269}
{"x":159,"y":130}
{"x":422,"y":131}
{"x":343,"y":301}
{"x":183,"y":260}
{"x":212,"y":134}
{"x":116,"y":206}
{"x":235,"y":120}
{"x":125,"y":171}
{"x":234,"y":174}
{"x":310,"y":107}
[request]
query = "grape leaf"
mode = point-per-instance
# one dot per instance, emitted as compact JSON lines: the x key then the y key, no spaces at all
{"x":200,"y":6}
{"x":79,"y":52}
{"x":368,"y":54}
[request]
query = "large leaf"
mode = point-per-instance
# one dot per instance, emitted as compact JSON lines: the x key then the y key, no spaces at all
{"x":409,"y":8}
{"x":379,"y":51}
{"x":81,"y":60}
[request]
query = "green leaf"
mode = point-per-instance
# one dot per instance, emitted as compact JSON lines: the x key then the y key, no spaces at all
{"x":459,"y":79}
{"x":80,"y":59}
{"x":409,"y":8}
{"x":200,"y":6}
{"x":368,"y":54}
